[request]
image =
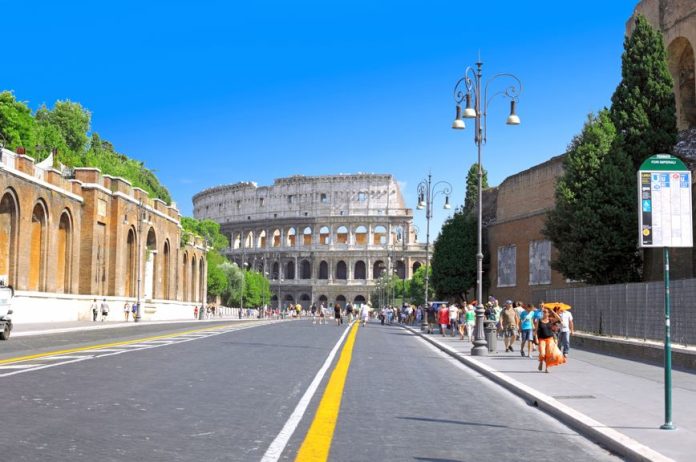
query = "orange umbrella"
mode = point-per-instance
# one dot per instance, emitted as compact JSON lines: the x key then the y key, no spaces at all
{"x":554,"y":305}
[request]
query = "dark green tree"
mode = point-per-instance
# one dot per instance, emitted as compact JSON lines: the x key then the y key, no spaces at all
{"x":71,"y":120}
{"x":643,"y":109}
{"x":417,"y":286}
{"x":471,"y":199}
{"x":17,"y":125}
{"x":454,"y":257}
{"x":594,"y":222}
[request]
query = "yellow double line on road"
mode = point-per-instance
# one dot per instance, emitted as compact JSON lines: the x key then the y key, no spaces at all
{"x":19,"y":359}
{"x":317,"y":443}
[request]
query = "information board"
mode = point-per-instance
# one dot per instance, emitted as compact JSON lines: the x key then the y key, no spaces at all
{"x":664,"y":192}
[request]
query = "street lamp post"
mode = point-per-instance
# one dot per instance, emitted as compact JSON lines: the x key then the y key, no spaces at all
{"x":426,"y":193}
{"x":466,"y":87}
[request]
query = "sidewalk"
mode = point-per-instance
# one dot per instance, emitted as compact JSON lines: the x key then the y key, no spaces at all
{"x":616,"y":402}
{"x":44,"y":328}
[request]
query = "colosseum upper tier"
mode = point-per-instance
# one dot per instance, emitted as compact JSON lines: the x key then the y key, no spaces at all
{"x":319,"y":239}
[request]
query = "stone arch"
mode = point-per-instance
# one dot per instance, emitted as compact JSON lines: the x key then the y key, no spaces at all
{"x":341,"y":301}
{"x":323,"y":299}
{"x":38,"y":246}
{"x":307,"y":236}
{"x":681,"y":66}
{"x":249,"y":240}
{"x":360,"y":235}
{"x":305,"y":270}
{"x":397,"y":234}
{"x":324,"y":235}
{"x":379,"y":235}
{"x":289,"y":299}
{"x":185,"y":278}
{"x":193,"y":278}
{"x":131,"y":262}
{"x":401,"y":269}
{"x":341,"y":270}
{"x":64,"y":252}
{"x":360,"y":270}
{"x":261,"y":240}
{"x":305,"y":301}
{"x":150,"y":269}
{"x":415,"y":267}
{"x":274,"y":301}
{"x":201,"y":280}
{"x":291,"y":238}
{"x":275,"y":270}
{"x":378,"y":268}
{"x":275,"y":242}
{"x":323,"y":270}
{"x":9,"y":223}
{"x":290,"y":270}
{"x":166,"y":269}
{"x":342,"y":235}
{"x":359,"y":299}
{"x":237,"y":241}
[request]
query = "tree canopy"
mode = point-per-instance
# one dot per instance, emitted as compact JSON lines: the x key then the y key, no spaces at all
{"x":65,"y":128}
{"x":454,"y":257}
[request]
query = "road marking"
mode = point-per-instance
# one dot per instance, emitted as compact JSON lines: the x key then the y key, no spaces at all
{"x":20,"y":366}
{"x":275,"y":450}
{"x":317,"y":443}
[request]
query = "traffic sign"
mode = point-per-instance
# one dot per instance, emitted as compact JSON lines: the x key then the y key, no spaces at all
{"x":664,"y":203}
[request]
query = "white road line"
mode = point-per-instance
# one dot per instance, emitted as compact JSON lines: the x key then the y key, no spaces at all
{"x":20,"y":366}
{"x":105,"y":350}
{"x":275,"y":450}
{"x":46,"y":366}
{"x":62,"y":357}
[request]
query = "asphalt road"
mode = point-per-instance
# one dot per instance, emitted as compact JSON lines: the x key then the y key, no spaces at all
{"x":225,"y":394}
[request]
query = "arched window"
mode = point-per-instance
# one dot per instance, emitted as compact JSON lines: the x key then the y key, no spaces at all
{"x":290,"y":270}
{"x":360,"y":272}
{"x":291,"y":238}
{"x":323,"y":270}
{"x":341,"y":270}
{"x":323,"y":299}
{"x":64,"y":253}
{"x":378,"y":269}
{"x":289,"y":300}
{"x":150,"y":265}
{"x":276,"y":238}
{"x":379,"y":235}
{"x":184,"y":277}
{"x":274,"y":301}
{"x":361,"y":235}
{"x":194,"y":278}
{"x":342,"y":235}
{"x":37,"y":251}
{"x":305,"y":270}
{"x":201,"y":280}
{"x":237,"y":241}
{"x":681,"y":66}
{"x":262,"y":240}
{"x":305,"y":300}
{"x":341,"y":301}
{"x":9,"y":216}
{"x":275,"y":272}
{"x":359,"y":300}
{"x":249,"y":241}
{"x":324,"y":235}
{"x":307,"y":236}
{"x":401,"y":269}
{"x":166,"y":263}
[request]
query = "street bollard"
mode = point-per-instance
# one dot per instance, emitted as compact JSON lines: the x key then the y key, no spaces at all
{"x":491,"y":333}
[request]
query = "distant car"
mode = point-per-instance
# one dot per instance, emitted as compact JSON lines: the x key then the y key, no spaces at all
{"x":6,"y":294}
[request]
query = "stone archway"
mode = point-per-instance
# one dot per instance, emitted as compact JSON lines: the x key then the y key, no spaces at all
{"x":64,"y":253}
{"x":681,"y":66}
{"x":150,"y":277}
{"x":37,"y":249}
{"x":9,"y":216}
{"x":166,"y":262}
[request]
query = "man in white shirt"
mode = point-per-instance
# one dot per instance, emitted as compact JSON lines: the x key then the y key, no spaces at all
{"x":453,"y":317}
{"x":567,"y":328}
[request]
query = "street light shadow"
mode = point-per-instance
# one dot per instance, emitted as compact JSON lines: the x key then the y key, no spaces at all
{"x":477,"y":424}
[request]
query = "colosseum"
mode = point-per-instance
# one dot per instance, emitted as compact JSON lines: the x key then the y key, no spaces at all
{"x":318,"y":239}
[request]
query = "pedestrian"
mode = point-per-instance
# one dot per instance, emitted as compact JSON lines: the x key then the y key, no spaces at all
{"x":527,"y":330}
{"x":453,"y":317}
{"x":471,"y":319}
{"x":126,"y":310}
{"x":364,"y":314}
{"x":322,"y":314}
{"x":337,"y":314}
{"x":135,"y":308}
{"x":349,"y":312}
{"x":95,"y":310}
{"x":567,"y":329}
{"x":510,"y":323}
{"x":104,"y":310}
{"x":549,"y":353}
{"x":195,"y":312}
{"x":313,"y":310}
{"x":443,"y":318}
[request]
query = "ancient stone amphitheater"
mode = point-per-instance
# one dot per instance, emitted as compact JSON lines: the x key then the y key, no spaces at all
{"x":319,"y":239}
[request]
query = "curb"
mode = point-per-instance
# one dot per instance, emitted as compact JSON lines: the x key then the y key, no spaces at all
{"x":611,"y":439}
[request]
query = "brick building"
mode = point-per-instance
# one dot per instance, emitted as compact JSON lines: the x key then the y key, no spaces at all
{"x":64,"y":241}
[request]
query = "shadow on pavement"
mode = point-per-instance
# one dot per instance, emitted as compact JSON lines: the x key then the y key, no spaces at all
{"x":476,"y":424}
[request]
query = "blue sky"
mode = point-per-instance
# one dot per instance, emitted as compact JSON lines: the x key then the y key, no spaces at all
{"x":214,"y":92}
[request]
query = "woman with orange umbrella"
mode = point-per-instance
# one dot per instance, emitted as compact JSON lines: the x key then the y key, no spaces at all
{"x":548,"y":350}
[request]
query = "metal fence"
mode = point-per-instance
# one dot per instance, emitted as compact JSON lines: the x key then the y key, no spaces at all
{"x":631,"y":310}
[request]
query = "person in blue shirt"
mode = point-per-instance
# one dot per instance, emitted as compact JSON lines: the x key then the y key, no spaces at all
{"x":527,"y":327}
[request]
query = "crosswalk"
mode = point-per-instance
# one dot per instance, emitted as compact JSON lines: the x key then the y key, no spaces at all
{"x":42,"y":361}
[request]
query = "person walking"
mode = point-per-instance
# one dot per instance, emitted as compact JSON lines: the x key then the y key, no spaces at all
{"x":337,"y":314}
{"x":322,"y":314}
{"x":510,"y":324}
{"x":443,"y":318}
{"x":313,"y":310}
{"x":104,"y":310}
{"x":349,"y":312}
{"x":453,"y":318}
{"x":95,"y":310}
{"x":470,"y":317}
{"x":549,"y":353}
{"x":126,"y":310}
{"x":567,"y":329}
{"x":527,"y":330}
{"x":364,"y":314}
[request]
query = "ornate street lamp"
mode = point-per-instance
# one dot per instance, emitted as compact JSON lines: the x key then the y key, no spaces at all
{"x":426,"y":193}
{"x":466,"y":87}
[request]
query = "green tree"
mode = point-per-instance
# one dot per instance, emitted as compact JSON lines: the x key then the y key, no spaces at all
{"x":72,"y":122}
{"x":643,"y":109}
{"x":16,"y":123}
{"x":257,"y":289}
{"x":471,"y":198}
{"x":454,"y":257}
{"x":232,"y":295}
{"x":217,"y":279}
{"x":594,"y":222}
{"x":417,"y":286}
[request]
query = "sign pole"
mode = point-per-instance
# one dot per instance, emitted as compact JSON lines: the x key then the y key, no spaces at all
{"x":668,"y":425}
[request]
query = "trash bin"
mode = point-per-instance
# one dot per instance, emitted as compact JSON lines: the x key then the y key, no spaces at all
{"x":491,"y":333}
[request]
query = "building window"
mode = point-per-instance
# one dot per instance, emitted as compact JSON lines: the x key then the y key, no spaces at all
{"x":261,"y":202}
{"x":239,"y":205}
{"x":507,"y":266}
{"x":324,"y":199}
{"x":362,"y":196}
{"x":289,"y":198}
{"x":539,"y":262}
